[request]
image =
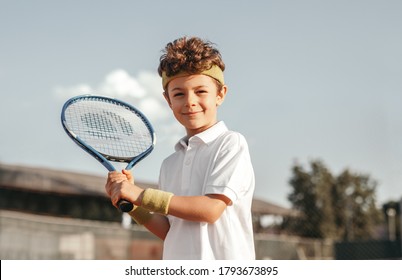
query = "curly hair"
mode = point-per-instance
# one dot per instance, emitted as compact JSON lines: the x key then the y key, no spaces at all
{"x":191,"y":55}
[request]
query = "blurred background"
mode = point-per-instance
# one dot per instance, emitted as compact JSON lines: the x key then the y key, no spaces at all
{"x":314,"y":86}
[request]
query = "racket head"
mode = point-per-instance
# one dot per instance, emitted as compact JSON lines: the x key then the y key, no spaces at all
{"x":108,"y":129}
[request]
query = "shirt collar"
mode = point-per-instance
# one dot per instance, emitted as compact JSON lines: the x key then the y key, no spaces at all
{"x":206,"y":136}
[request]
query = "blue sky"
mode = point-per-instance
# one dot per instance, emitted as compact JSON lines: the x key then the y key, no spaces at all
{"x":307,"y":80}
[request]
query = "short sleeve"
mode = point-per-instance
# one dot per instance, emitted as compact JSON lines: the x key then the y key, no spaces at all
{"x":232,"y":172}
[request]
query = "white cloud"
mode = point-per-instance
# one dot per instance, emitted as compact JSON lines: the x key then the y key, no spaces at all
{"x":119,"y":83}
{"x":153,"y":108}
{"x":151,"y":82}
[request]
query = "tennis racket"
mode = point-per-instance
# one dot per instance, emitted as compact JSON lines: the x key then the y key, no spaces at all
{"x":109,"y":130}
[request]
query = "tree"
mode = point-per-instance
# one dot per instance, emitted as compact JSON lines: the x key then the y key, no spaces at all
{"x":339,"y":207}
{"x":357,"y":215}
{"x":310,"y":196}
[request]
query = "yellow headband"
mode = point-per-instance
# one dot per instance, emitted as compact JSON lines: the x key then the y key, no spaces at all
{"x":213,"y":72}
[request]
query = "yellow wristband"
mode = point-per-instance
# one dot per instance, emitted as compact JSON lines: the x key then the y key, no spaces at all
{"x":156,"y":201}
{"x":140,"y":215}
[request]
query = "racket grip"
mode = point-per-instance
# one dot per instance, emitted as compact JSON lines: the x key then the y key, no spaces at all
{"x":125,"y":206}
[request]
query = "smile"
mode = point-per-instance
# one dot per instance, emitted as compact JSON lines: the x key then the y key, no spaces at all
{"x":191,"y":113}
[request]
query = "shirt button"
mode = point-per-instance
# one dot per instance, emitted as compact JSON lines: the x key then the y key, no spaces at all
{"x":188,"y":161}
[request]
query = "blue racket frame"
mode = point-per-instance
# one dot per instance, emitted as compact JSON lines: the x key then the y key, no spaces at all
{"x":125,"y":206}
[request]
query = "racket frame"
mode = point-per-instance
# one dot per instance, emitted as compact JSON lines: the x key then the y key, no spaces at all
{"x":103,"y":158}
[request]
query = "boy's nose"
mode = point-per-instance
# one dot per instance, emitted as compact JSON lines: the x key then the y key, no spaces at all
{"x":191,"y":100}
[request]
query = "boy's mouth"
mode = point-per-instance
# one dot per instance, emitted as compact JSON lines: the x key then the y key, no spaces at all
{"x":191,"y":113}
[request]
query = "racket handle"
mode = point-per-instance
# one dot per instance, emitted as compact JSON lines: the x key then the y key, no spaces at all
{"x":125,"y":206}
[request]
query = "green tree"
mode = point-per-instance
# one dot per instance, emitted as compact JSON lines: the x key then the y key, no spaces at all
{"x":356,"y":211}
{"x":339,"y":207}
{"x":311,"y":197}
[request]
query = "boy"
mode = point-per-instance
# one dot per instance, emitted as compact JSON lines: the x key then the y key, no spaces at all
{"x":202,"y":209}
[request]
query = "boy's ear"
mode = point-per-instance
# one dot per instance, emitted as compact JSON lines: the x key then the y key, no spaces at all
{"x":221,"y":95}
{"x":166,"y":95}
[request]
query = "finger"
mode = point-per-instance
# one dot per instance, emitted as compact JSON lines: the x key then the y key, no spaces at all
{"x":108,"y":188}
{"x":113,"y":179}
{"x":117,"y":178}
{"x":128,"y":175}
{"x":112,"y":173}
{"x":115,"y":195}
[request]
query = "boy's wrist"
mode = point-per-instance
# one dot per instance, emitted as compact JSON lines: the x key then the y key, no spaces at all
{"x":138,"y":194}
{"x":156,"y":200}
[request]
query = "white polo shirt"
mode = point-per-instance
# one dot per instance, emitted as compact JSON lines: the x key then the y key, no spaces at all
{"x":216,"y":161}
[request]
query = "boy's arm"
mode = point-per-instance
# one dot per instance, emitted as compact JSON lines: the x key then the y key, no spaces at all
{"x":206,"y":208}
{"x":192,"y":208}
{"x":158,"y":225}
{"x":120,"y":186}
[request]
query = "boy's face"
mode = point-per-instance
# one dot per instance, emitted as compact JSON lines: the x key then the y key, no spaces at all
{"x":194,"y":100}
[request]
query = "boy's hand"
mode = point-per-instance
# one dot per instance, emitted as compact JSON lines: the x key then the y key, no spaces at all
{"x":118,"y":187}
{"x":129,"y":175}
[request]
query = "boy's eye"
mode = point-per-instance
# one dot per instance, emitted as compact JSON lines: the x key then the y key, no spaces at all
{"x":177,"y":94}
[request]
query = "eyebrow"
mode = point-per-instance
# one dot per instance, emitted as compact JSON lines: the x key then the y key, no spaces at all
{"x":196,"y":87}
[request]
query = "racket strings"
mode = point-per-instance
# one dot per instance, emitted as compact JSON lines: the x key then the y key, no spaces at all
{"x":110,"y":128}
